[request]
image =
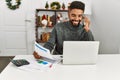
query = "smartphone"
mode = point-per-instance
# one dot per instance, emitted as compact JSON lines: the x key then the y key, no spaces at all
{"x":82,"y":21}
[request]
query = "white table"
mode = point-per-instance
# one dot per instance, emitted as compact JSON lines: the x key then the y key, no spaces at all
{"x":107,"y":68}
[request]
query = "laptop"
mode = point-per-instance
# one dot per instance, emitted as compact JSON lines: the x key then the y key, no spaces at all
{"x":80,"y":52}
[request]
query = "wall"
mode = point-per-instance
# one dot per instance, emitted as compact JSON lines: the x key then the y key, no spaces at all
{"x":17,"y":27}
{"x":106,"y":22}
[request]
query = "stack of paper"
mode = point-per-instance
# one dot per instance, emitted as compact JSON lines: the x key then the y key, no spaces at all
{"x":42,"y":51}
{"x":36,"y":65}
{"x":43,"y":64}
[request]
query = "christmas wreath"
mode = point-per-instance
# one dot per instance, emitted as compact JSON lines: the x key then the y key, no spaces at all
{"x":55,"y":5}
{"x":13,"y":7}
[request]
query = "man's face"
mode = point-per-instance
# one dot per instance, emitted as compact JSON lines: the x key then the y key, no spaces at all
{"x":75,"y":16}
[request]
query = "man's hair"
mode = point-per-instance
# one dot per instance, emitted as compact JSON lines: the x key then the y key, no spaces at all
{"x":77,"y":5}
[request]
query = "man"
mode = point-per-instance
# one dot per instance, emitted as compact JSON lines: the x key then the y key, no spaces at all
{"x":72,"y":30}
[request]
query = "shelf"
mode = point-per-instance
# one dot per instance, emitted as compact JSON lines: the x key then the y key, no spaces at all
{"x":51,"y":10}
{"x":52,"y":19}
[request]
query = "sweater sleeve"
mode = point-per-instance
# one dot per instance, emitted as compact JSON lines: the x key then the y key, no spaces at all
{"x":88,"y":36}
{"x":51,"y":42}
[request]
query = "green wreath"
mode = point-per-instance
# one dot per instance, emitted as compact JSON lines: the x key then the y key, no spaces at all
{"x":13,"y":7}
{"x":55,"y":5}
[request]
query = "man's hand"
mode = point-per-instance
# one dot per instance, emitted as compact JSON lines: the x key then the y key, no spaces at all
{"x":35,"y":54}
{"x":86,"y":24}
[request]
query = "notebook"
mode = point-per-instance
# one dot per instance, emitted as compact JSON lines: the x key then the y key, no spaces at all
{"x":80,"y":52}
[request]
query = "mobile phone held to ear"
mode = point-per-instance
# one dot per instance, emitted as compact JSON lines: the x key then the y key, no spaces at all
{"x":82,"y":21}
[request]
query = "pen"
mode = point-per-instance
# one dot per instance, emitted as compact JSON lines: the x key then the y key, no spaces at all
{"x":50,"y":66}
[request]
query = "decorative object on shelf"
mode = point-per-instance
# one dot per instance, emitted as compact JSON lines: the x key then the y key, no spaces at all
{"x":69,"y":5}
{"x":50,"y":24}
{"x":47,"y":5}
{"x":13,"y":7}
{"x":59,"y":17}
{"x":55,"y":5}
{"x":63,"y":6}
{"x":44,"y":17}
{"x":44,"y":21}
{"x":45,"y":36}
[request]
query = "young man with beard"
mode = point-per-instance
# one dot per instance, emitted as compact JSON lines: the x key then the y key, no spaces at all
{"x":71,"y":30}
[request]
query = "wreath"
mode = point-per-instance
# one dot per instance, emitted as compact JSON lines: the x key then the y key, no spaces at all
{"x":13,"y":7}
{"x":55,"y":5}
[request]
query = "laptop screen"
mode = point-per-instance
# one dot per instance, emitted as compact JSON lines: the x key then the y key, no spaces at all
{"x":80,"y":52}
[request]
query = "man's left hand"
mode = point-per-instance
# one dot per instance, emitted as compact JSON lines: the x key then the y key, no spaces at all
{"x":36,"y":56}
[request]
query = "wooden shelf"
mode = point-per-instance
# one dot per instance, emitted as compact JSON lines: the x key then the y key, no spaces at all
{"x":53,"y":19}
{"x":51,"y":10}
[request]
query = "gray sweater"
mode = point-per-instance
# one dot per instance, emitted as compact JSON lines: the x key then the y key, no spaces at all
{"x":66,"y":32}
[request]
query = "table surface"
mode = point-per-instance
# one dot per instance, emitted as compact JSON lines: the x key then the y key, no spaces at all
{"x":107,"y":68}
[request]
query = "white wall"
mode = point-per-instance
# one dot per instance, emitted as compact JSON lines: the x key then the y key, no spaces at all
{"x":106,"y":22}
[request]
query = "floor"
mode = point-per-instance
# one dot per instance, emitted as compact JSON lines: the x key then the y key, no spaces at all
{"x":4,"y":61}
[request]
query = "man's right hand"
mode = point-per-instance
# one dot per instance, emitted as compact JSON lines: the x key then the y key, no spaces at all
{"x":87,"y":23}
{"x":35,"y":54}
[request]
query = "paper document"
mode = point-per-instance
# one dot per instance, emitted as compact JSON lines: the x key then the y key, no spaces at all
{"x":42,"y":51}
{"x":36,"y":65}
{"x":43,"y":64}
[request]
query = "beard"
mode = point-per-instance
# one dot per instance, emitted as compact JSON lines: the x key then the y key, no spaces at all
{"x":75,"y":23}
